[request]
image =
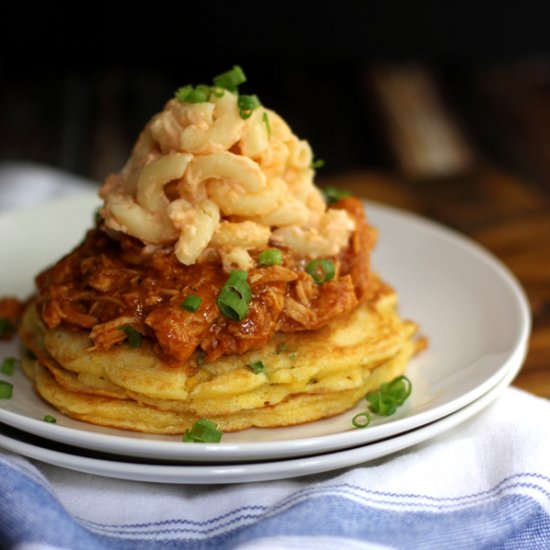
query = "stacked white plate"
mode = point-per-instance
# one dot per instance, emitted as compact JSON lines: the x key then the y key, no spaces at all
{"x":470,"y":307}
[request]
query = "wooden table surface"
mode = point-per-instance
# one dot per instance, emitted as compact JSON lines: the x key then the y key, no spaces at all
{"x":506,"y":215}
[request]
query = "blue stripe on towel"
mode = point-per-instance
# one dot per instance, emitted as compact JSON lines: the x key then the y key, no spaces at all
{"x":510,"y":515}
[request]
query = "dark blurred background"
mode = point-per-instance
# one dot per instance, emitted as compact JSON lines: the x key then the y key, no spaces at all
{"x":426,"y":89}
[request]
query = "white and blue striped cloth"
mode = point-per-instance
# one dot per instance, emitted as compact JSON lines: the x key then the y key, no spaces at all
{"x":485,"y":484}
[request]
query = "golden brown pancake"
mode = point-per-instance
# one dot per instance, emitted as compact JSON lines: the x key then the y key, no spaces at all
{"x":307,"y":376}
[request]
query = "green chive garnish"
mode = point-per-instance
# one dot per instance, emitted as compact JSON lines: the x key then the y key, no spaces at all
{"x":6,"y":390}
{"x":257,"y":367}
{"x":232,"y":305}
{"x":8,"y":365}
{"x":235,"y":295}
{"x":247,"y":103}
{"x":203,"y":431}
{"x":237,"y":275}
{"x":203,"y":89}
{"x":361,"y":420}
{"x":50,"y":419}
{"x":385,"y":400}
{"x":183,"y":93}
{"x":332,"y":194}
{"x":265,"y":118}
{"x":134,"y":337}
{"x":389,"y":396}
{"x":230,"y":79}
{"x":321,"y":270}
{"x":6,"y":327}
{"x":191,"y":303}
{"x":319,"y":163}
{"x":270,"y":256}
{"x":198,"y":94}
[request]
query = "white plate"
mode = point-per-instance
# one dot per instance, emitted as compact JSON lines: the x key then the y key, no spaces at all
{"x":83,"y":461}
{"x":471,"y":308}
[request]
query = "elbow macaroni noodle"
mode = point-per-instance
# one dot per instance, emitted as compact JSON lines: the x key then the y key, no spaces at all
{"x":239,"y":184}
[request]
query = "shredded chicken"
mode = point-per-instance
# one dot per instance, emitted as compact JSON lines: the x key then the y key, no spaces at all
{"x":112,"y":280}
{"x":106,"y":335}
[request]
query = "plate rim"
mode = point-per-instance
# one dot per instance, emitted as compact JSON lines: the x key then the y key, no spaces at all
{"x":271,"y":449}
{"x":215,"y":474}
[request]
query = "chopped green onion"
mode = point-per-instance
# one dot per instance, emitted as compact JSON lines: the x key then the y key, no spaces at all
{"x":188,"y":94}
{"x":247,"y":103}
{"x":203,"y":431}
{"x":270,"y":256}
{"x":6,"y":390}
{"x":235,"y":295}
{"x":50,"y":419}
{"x":183,"y":93}
{"x":230,"y":79}
{"x":399,"y":389}
{"x":203,"y":89}
{"x":292,"y":356}
{"x":257,"y":367}
{"x":232,"y":305}
{"x":6,"y":327}
{"x":361,"y":420}
{"x":8,"y":365}
{"x":238,"y":274}
{"x":319,"y":163}
{"x":241,"y":288}
{"x":385,"y":400}
{"x":321,"y":270}
{"x":134,"y":337}
{"x":380,"y":404}
{"x":199,"y":95}
{"x":238,"y":281}
{"x":389,"y":396}
{"x":265,"y":118}
{"x":217,"y":91}
{"x":191,"y":303}
{"x":332,"y":194}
